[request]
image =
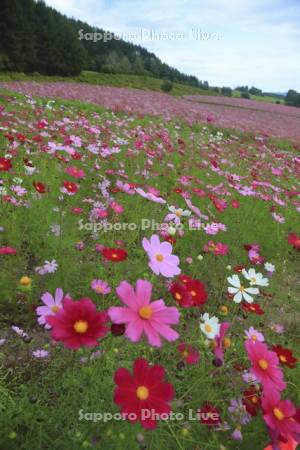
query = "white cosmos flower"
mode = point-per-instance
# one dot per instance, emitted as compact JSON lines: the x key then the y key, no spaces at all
{"x":176,"y":214}
{"x":210,"y":326}
{"x":239,"y":291}
{"x":255,"y":278}
{"x":269,"y":267}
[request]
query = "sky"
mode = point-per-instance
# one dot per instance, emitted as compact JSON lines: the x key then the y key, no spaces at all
{"x":226,"y":42}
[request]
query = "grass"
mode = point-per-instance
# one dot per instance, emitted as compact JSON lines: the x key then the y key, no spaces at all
{"x":41,"y":399}
{"x":118,"y":80}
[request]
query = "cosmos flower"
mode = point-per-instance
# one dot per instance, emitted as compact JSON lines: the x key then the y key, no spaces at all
{"x":294,"y":240}
{"x":114,"y":254}
{"x":255,"y":335}
{"x":239,"y":292}
{"x":5,"y":164}
{"x":256,"y":279}
{"x":100,"y":287}
{"x":8,"y":251}
{"x":143,"y":391}
{"x":52,"y":306}
{"x":40,"y":354}
{"x":285,"y":356}
{"x":150,"y":196}
{"x":78,"y":324}
{"x":176,"y":214}
{"x":142,"y":316}
{"x":161,"y":259}
{"x":216,"y":248}
{"x":265,"y":366}
{"x":210,"y":326}
{"x":189,"y":354}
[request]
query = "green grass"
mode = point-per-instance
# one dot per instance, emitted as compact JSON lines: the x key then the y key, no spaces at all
{"x":118,"y":80}
{"x":40,"y":400}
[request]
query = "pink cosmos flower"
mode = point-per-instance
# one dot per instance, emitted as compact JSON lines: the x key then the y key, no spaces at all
{"x":265,"y":366}
{"x":279,"y":415}
{"x":149,"y":196}
{"x":255,"y":335}
{"x":100,"y":287}
{"x":7,"y":251}
{"x":189,"y":354}
{"x":52,"y":305}
{"x":142,"y":316}
{"x":118,"y":209}
{"x":161,"y":259}
{"x":75,"y":172}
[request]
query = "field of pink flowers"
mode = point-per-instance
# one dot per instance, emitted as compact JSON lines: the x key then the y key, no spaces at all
{"x":245,"y":115}
{"x":149,"y":277}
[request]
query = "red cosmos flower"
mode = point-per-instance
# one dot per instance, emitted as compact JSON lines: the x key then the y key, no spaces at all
{"x":114,"y":254}
{"x":78,"y":324}
{"x":239,"y":268}
{"x":143,"y":395}
{"x":185,"y":278}
{"x":70,"y":186}
{"x":235,"y":203}
{"x":169,"y":238}
{"x":39,"y":186}
{"x":251,"y":400}
{"x":189,"y":354}
{"x":76,"y":155}
{"x":294,"y":240}
{"x":181,"y":294}
{"x":5,"y":164}
{"x":253,"y":307}
{"x":285,"y":356}
{"x":197,"y":290}
{"x":209,"y":415}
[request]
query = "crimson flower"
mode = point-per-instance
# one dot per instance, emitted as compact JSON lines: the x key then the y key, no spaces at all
{"x":189,"y":292}
{"x":294,"y":240}
{"x":78,"y":324}
{"x":5,"y":164}
{"x":253,"y":308}
{"x":39,"y":187}
{"x":189,"y":354}
{"x":209,"y":415}
{"x":251,"y":400}
{"x":181,"y":294}
{"x":285,"y":356}
{"x":143,"y":395}
{"x":70,"y":187}
{"x":114,"y":254}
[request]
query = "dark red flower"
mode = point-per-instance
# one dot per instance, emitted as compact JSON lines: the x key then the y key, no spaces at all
{"x":185,"y":278}
{"x":70,"y":186}
{"x":251,"y":400}
{"x":39,"y":186}
{"x":189,"y":354}
{"x":143,"y":395}
{"x":209,"y":415}
{"x":181,"y":294}
{"x":78,"y":324}
{"x":294,"y":240}
{"x":285,"y":356}
{"x":5,"y":164}
{"x":197,"y":290}
{"x":114,"y":254}
{"x":253,"y":307}
{"x":239,"y":268}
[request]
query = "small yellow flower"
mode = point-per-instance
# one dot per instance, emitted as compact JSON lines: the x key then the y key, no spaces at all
{"x":223,"y":310}
{"x":25,"y":281}
{"x":226,"y":342}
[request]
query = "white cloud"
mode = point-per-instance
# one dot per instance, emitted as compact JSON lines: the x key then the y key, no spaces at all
{"x":259,"y":44}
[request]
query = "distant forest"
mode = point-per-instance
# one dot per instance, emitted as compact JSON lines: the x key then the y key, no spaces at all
{"x":36,"y":38}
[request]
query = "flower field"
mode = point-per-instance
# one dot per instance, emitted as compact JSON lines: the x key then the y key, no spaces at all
{"x":246,"y":115}
{"x":149,"y":271}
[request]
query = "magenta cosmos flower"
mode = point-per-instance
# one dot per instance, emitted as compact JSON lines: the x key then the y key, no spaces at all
{"x":142,"y":316}
{"x":265,"y":366}
{"x":78,"y":324}
{"x":161,"y":259}
{"x":52,"y":305}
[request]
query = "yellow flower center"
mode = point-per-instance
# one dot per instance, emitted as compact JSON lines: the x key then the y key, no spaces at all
{"x":81,"y":326}
{"x":114,"y":255}
{"x":178,"y":296}
{"x":207,"y":328}
{"x":263,"y":364}
{"x":99,"y":289}
{"x":178,"y":213}
{"x":159,"y":257}
{"x":142,"y":393}
{"x":282,"y":358}
{"x":145,"y":312}
{"x":185,"y":354}
{"x":193,"y":293}
{"x":254,"y":400}
{"x":253,"y":280}
{"x":55,"y":308}
{"x":241,"y":288}
{"x":278,"y":414}
{"x":253,"y":337}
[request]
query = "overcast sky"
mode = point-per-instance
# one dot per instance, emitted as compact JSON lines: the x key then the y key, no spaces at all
{"x":251,"y":42}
